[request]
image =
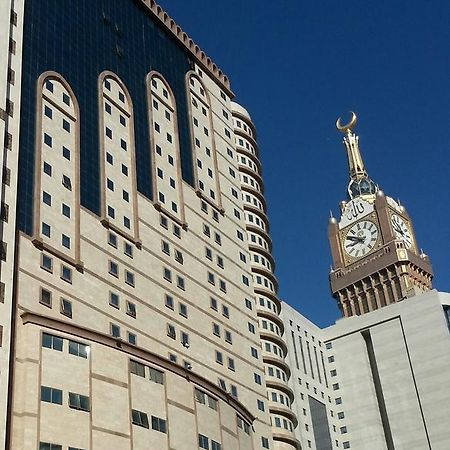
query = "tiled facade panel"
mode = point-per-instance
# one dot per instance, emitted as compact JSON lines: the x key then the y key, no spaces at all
{"x":166,"y":172}
{"x":118,"y":160}
{"x":204,"y":149}
{"x":57,"y":167}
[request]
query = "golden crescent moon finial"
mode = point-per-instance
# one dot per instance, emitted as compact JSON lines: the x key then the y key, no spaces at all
{"x":348,"y":126}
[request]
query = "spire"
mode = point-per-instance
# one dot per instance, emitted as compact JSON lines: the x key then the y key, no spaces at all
{"x":360,"y":183}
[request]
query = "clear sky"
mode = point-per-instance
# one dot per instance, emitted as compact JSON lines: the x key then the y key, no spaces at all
{"x":296,"y":65}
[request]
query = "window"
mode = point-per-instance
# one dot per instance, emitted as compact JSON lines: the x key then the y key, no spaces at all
{"x":66,"y":125}
{"x":123,"y":144}
{"x":331,"y":359}
{"x":231,"y":365}
{"x":47,"y":198}
{"x":225,"y":311}
{"x":129,"y":278}
{"x":66,"y":182}
{"x":254,"y":353}
{"x":264,"y":442}
{"x":45,"y":229}
{"x":78,"y":349}
{"x":185,"y":339}
{"x":228,"y":337}
{"x":211,"y":278}
{"x":171,"y":331}
{"x":51,"y":395}
{"x":180,"y":282}
{"x":219,"y":357}
{"x":66,"y":307}
{"x":52,"y":342}
{"x":165,"y":247}
{"x":66,"y":153}
{"x":128,"y":249}
{"x":131,"y":309}
{"x":251,"y":328}
{"x":109,"y":158}
{"x":248,"y":303}
{"x":182,"y":308}
{"x":45,"y":297}
{"x":215,"y":445}
{"x":126,"y":222}
{"x":110,"y":184}
{"x":65,"y":241}
{"x":66,"y":274}
{"x":47,"y":169}
{"x":114,"y":299}
{"x":47,"y":140}
{"x":220,"y":262}
{"x":137,"y":368}
{"x":346,"y":444}
{"x":213,"y":304}
{"x":340,"y":415}
{"x":132,"y":338}
{"x":216,"y":329}
{"x":177,"y":231}
{"x":156,"y":376}
{"x":159,"y":424}
{"x":65,"y":210}
{"x":257,"y":378}
{"x":139,"y":418}
{"x":203,"y":442}
{"x":49,"y":446}
{"x":66,"y":99}
{"x":125,"y":170}
{"x":113,"y":268}
{"x":178,"y":256}
{"x":115,"y":331}
{"x":335,"y":386}
{"x":111,"y":212}
{"x":169,"y":301}
{"x":46,"y":263}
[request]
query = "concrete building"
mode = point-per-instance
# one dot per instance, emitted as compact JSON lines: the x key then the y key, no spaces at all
{"x":128,"y":313}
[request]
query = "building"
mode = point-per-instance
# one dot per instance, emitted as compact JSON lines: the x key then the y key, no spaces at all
{"x":128,"y":313}
{"x":377,"y":378}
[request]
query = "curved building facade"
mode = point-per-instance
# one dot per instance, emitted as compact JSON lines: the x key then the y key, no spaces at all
{"x":268,"y":306}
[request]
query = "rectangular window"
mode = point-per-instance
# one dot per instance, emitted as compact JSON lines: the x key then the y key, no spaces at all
{"x":52,"y":342}
{"x":131,"y":309}
{"x":132,"y":338}
{"x":45,"y":297}
{"x":128,"y":249}
{"x":159,"y":424}
{"x":215,"y":445}
{"x":169,"y":301}
{"x":78,"y":349}
{"x":113,"y":269}
{"x":46,"y":229}
{"x":178,"y":256}
{"x":137,"y":368}
{"x":203,"y":442}
{"x":180,"y":282}
{"x":65,"y":210}
{"x":115,"y":331}
{"x":182,"y":308}
{"x":214,"y":304}
{"x":66,"y":273}
{"x":219,"y":357}
{"x":129,"y":278}
{"x":66,"y":307}
{"x":51,"y":395}
{"x":46,"y":263}
{"x":139,"y":418}
{"x":225,"y":311}
{"x":171,"y":331}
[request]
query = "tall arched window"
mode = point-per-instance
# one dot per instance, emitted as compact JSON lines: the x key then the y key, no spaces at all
{"x":117,"y":156}
{"x":57,"y":189}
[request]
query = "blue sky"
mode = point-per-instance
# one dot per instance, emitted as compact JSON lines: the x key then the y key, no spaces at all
{"x":298,"y":65}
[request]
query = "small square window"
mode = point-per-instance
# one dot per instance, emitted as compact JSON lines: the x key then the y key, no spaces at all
{"x":66,"y":307}
{"x":66,"y":274}
{"x":131,"y":309}
{"x":115,"y":330}
{"x":48,"y":140}
{"x":128,"y":249}
{"x":47,"y":169}
{"x":45,"y":229}
{"x":46,"y":263}
{"x":132,"y":338}
{"x":65,"y":209}
{"x":169,"y":301}
{"x":66,"y":182}
{"x":66,"y":99}
{"x":65,"y":241}
{"x":48,"y":112}
{"x":113,"y":269}
{"x":114,"y":300}
{"x":47,"y":198}
{"x":45,"y":297}
{"x":112,"y":239}
{"x":129,"y":278}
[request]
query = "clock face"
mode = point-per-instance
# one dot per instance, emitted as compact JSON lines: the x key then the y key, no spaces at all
{"x":361,"y":238}
{"x":401,"y":230}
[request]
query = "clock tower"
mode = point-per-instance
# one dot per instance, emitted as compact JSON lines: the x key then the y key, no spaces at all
{"x":376,"y":260}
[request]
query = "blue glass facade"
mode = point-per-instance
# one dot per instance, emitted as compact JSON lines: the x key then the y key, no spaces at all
{"x":80,"y":39}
